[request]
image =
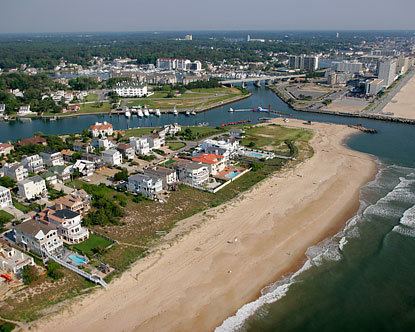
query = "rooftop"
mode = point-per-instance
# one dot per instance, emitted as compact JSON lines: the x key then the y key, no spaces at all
{"x":32,"y":227}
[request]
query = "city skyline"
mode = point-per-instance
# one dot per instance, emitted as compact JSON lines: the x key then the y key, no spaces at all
{"x":183,"y":15}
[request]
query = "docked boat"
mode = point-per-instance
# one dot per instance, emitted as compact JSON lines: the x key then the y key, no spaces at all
{"x":146,"y":113}
{"x":231,"y":110}
{"x":158,"y":113}
{"x":193,"y":113}
{"x":187,"y":113}
{"x":127,"y":114}
{"x":140,"y":113}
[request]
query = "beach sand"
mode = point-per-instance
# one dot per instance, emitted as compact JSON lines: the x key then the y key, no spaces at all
{"x":211,"y":271}
{"x":402,"y":104}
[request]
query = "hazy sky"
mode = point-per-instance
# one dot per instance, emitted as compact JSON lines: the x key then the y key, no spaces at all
{"x":188,"y":15}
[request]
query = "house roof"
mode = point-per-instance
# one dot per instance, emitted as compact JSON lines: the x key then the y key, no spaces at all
{"x":159,"y":171}
{"x":65,"y":214}
{"x":4,"y":146}
{"x":32,"y":140}
{"x":36,"y":178}
{"x":33,"y":227}
{"x":101,"y":126}
{"x":208,"y":158}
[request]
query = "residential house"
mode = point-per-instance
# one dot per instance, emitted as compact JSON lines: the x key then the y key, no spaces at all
{"x":38,"y":237}
{"x":77,"y":202}
{"x":69,"y":225}
{"x":102,"y":143}
{"x":101,"y":129}
{"x":145,"y":184}
{"x":33,"y":187}
{"x":35,"y":140}
{"x":5,"y":149}
{"x":13,"y":260}
{"x":126,"y":150}
{"x":230,"y":146}
{"x":192,"y":173}
{"x":15,"y":171}
{"x":140,"y":145}
{"x":80,"y":146}
{"x":50,"y":177}
{"x":5,"y":198}
{"x":97,"y":160}
{"x":216,"y":163}
{"x":237,"y":133}
{"x":67,"y":155}
{"x":167,"y":175}
{"x":172,"y":129}
{"x":62,"y":172}
{"x":112,"y":157}
{"x":156,"y":140}
{"x":2,"y":110}
{"x":84,"y":167}
{"x":33,"y":163}
{"x":25,"y":110}
{"x":52,"y":159}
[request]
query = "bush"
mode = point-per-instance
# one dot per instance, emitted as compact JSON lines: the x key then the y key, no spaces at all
{"x":54,"y":271}
{"x":121,"y":175}
{"x":30,"y":274}
{"x":7,"y":182}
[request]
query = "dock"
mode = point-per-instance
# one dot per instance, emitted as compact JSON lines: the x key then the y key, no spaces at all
{"x":363,"y":129}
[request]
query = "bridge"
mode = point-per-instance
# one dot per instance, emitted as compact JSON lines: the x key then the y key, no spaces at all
{"x":257,"y":80}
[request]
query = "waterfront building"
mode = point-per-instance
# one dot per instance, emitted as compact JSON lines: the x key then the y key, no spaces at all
{"x":216,"y":163}
{"x":167,"y":175}
{"x":148,"y":185}
{"x":5,"y":149}
{"x":192,"y":173}
{"x":303,"y":62}
{"x":13,"y":260}
{"x":68,"y":224}
{"x":140,"y":145}
{"x":387,"y":71}
{"x":374,"y":86}
{"x":131,"y":89}
{"x":101,"y":129}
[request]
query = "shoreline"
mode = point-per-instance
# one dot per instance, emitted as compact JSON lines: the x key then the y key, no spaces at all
{"x":217,"y":285}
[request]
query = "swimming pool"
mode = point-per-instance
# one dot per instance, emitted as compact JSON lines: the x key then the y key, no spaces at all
{"x":77,"y":260}
{"x":232,"y":174}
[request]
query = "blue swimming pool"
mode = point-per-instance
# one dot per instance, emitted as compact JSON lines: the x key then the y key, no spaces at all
{"x":232,"y":174}
{"x":77,"y":260}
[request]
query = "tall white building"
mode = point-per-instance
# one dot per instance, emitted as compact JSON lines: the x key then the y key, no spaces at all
{"x":131,"y":89}
{"x":387,"y":72}
{"x":303,"y":62}
{"x":33,"y":187}
{"x":5,"y":197}
{"x":348,"y":66}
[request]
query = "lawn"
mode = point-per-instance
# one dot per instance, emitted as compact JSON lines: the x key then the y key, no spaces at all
{"x":91,"y":97}
{"x":94,"y":108}
{"x":138,"y":132}
{"x":25,"y":208}
{"x":94,"y":242}
{"x":175,"y":145}
{"x":192,"y":99}
{"x":7,"y":217}
{"x":197,"y":132}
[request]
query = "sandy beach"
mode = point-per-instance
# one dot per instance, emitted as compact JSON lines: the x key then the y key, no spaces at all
{"x":402,"y":104}
{"x":232,"y":251}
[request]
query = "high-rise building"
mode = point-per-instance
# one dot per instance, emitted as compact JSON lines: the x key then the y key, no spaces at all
{"x":248,"y":39}
{"x":348,"y":66}
{"x":303,"y":62}
{"x":373,"y":87}
{"x":188,"y":37}
{"x":387,"y":71}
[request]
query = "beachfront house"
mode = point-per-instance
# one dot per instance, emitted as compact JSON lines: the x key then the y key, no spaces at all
{"x":38,"y":237}
{"x":126,"y":150}
{"x":68,"y":224}
{"x":31,"y":188}
{"x":167,"y":175}
{"x":145,"y":184}
{"x":172,"y":129}
{"x":84,"y":167}
{"x":226,"y":148}
{"x":33,"y":163}
{"x":237,"y":133}
{"x":112,"y":157}
{"x":15,"y":171}
{"x":216,"y":163}
{"x":140,"y":145}
{"x":192,"y":173}
{"x":5,"y":198}
{"x":78,"y":201}
{"x":13,"y":260}
{"x":52,"y":159}
{"x":101,"y":129}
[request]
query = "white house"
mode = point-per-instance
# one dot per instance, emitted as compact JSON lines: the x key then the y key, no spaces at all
{"x":145,"y":184}
{"x":52,"y":159}
{"x":13,"y":260}
{"x":38,"y":237}
{"x":191,"y":173}
{"x":32,"y":187}
{"x":131,"y":89}
{"x":5,"y":197}
{"x":85,"y":167}
{"x":102,"y":143}
{"x":68,"y":224}
{"x":15,"y":171}
{"x":172,"y":129}
{"x":112,"y":157}
{"x":25,"y":110}
{"x":156,"y":140}
{"x":33,"y":163}
{"x":2,"y":109}
{"x":126,"y":150}
{"x":167,"y":175}
{"x":216,"y":163}
{"x":101,"y":129}
{"x":5,"y":149}
{"x":140,"y":145}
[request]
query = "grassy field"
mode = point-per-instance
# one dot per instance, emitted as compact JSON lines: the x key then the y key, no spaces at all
{"x":5,"y":216}
{"x":175,"y":145}
{"x":94,"y":108}
{"x":138,"y":132}
{"x":192,"y":99}
{"x":94,"y":242}
{"x":91,"y":97}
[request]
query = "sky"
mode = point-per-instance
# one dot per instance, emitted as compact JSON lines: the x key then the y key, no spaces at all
{"x":20,"y":16}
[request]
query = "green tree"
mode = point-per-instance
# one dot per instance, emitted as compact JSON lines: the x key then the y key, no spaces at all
{"x":7,"y":182}
{"x":30,"y":274}
{"x":54,"y":271}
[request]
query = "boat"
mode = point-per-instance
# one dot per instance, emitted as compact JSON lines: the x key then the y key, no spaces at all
{"x":140,"y":113}
{"x":151,"y":111}
{"x":175,"y":112}
{"x":231,"y":110}
{"x":127,"y":114}
{"x":260,"y":109}
{"x":146,"y":113}
{"x":187,"y":113}
{"x":158,"y":112}
{"x":193,"y":113}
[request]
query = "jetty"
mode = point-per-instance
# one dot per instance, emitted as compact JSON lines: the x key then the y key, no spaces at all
{"x":363,"y":129}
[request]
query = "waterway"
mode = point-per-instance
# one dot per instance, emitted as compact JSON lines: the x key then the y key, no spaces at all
{"x":360,"y":280}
